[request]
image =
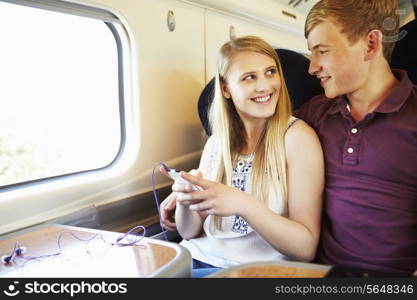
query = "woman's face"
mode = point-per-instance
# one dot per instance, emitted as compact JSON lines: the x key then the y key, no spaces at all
{"x":253,"y":84}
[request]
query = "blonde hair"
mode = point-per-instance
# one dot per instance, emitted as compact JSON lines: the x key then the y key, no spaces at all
{"x":269,"y":165}
{"x":357,"y":18}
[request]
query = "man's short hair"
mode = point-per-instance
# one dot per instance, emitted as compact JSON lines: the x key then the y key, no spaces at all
{"x":357,"y":18}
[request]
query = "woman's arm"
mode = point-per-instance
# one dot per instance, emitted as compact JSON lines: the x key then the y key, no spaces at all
{"x":296,"y":236}
{"x":189,"y":223}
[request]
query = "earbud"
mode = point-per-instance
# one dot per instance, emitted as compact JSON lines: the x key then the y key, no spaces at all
{"x":20,"y":251}
{"x":6,"y":259}
{"x":17,"y":251}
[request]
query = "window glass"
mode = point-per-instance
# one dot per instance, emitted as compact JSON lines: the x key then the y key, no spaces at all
{"x":59,"y":95}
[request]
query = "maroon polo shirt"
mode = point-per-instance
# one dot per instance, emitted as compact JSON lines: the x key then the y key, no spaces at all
{"x":370,"y":213}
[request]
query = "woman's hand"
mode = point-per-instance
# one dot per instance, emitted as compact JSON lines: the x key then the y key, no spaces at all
{"x":167,"y":210}
{"x":186,"y":188}
{"x":168,"y":206}
{"x":212,"y":197}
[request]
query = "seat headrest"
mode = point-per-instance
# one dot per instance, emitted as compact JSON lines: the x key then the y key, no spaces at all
{"x":404,"y":55}
{"x":301,"y":85}
{"x":204,"y":102}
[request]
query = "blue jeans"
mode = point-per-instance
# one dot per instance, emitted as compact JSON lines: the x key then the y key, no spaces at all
{"x":201,"y":269}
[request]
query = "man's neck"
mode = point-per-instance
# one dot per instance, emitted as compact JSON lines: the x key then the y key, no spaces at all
{"x":377,"y":88}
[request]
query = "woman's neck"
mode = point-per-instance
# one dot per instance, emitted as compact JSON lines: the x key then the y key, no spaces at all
{"x":252,"y":137}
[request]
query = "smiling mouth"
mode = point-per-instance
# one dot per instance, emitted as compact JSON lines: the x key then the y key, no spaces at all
{"x":262,"y":99}
{"x":324,"y":79}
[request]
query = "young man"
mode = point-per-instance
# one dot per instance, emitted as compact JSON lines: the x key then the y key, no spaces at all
{"x":367,"y":124}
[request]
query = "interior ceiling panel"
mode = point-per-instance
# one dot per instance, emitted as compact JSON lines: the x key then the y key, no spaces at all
{"x":304,"y":6}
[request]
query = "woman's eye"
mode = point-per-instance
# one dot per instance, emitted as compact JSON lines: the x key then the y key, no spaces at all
{"x":323,"y":51}
{"x":249,"y":77}
{"x":271,"y":71}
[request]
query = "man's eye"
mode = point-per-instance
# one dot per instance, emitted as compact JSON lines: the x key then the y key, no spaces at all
{"x":323,"y":51}
{"x":249,"y":77}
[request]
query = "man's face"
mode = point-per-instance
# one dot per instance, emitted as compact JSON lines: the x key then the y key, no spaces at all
{"x":340,"y":65}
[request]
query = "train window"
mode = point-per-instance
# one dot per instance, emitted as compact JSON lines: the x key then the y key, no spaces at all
{"x":60,"y":96}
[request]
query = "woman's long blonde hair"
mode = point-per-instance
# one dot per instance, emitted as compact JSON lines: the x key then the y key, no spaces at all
{"x":269,"y":166}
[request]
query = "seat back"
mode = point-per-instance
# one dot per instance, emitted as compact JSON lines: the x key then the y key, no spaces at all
{"x":404,"y":55}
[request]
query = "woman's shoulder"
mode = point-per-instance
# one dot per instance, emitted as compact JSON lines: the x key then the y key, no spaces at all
{"x":211,"y":148}
{"x":291,"y":121}
{"x":302,"y":146}
{"x":297,"y":125}
{"x":212,"y":142}
{"x":299,"y":133}
{"x":210,"y":157}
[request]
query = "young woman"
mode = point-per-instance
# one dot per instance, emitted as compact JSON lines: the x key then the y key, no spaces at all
{"x":261,"y":174}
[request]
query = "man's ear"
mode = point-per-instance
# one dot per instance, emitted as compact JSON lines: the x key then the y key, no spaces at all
{"x":373,"y":44}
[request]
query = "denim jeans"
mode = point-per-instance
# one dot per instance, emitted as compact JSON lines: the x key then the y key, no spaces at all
{"x":202,"y":269}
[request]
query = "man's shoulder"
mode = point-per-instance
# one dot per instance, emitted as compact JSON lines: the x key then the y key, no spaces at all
{"x":314,"y":108}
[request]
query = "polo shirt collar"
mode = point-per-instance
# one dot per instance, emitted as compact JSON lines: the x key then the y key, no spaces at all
{"x":340,"y":104}
{"x":398,"y":96}
{"x":391,"y":104}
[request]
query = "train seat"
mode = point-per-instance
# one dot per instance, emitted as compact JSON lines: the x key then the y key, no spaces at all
{"x":404,"y":55}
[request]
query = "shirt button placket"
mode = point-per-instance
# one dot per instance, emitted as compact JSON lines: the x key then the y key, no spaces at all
{"x":350,"y":156}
